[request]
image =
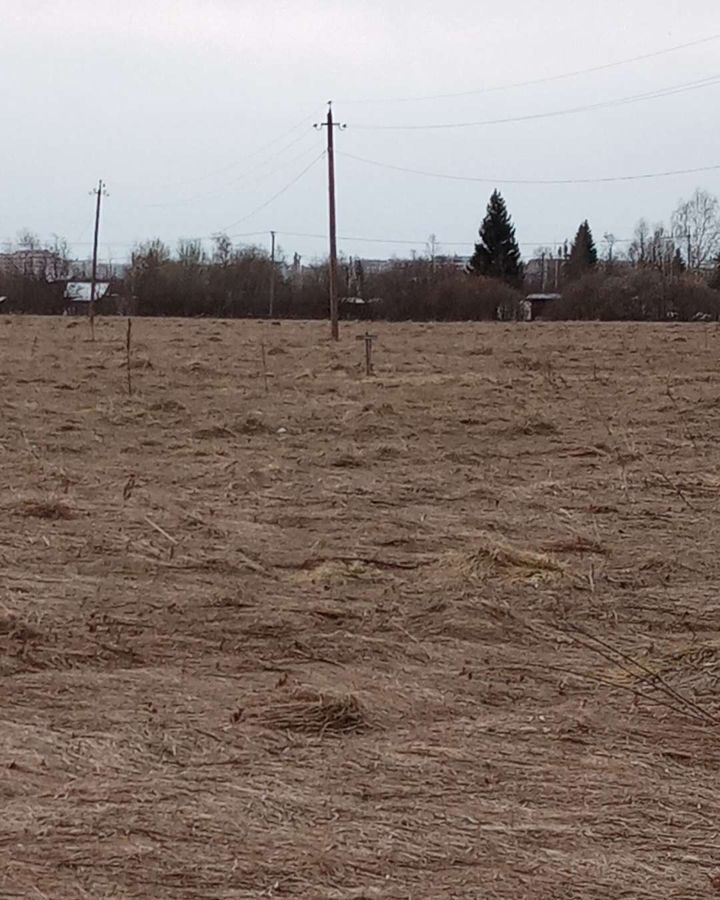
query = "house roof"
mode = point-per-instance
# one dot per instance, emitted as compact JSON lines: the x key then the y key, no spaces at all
{"x":79,"y":291}
{"x":543,"y":298}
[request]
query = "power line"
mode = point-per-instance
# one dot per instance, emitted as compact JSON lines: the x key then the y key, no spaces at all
{"x":275,"y":196}
{"x":603,"y":104}
{"x":531,"y":181}
{"x":547,"y":79}
{"x":238,"y":235}
{"x":367,"y":240}
{"x":375,"y":240}
{"x":249,"y":215}
{"x":221,"y":171}
{"x":253,"y":171}
{"x":136,"y":242}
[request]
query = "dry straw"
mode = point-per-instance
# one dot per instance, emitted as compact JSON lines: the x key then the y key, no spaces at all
{"x":309,"y":711}
{"x":495,"y":557}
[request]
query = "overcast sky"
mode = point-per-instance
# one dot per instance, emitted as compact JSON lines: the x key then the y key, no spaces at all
{"x":172,"y":102}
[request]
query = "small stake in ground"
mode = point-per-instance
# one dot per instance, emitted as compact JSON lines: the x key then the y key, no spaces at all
{"x":368,"y":338}
{"x":263,"y":358}
{"x":128,"y":352}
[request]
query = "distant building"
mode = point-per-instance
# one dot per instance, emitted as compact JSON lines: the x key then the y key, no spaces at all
{"x":371,"y":266}
{"x":45,"y":265}
{"x":534,"y":305}
{"x":81,"y":270}
{"x":109,"y":299}
{"x":460,"y":262}
{"x":357,"y":307}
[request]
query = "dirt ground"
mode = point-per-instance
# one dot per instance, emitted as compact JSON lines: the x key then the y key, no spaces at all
{"x":450,"y":631}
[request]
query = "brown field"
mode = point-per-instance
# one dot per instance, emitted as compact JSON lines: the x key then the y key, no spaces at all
{"x":447,"y":632}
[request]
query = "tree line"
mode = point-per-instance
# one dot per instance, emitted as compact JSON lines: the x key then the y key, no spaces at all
{"x":665,"y":272}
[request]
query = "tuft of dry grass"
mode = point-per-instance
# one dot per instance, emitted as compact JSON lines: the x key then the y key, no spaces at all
{"x":328,"y":571}
{"x":213,"y":431}
{"x":348,"y":461}
{"x":576,"y":544}
{"x":54,"y":510}
{"x":494,"y":557}
{"x":170,"y":404}
{"x":252,"y":424}
{"x":534,"y":426}
{"x":13,"y":627}
{"x":308,"y":711}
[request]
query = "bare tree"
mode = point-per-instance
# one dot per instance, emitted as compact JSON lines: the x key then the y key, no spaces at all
{"x":28,"y":240}
{"x":58,"y":268}
{"x":696,"y":225}
{"x":190,"y":254}
{"x":222,"y":249}
{"x":654,"y":247}
{"x":637,"y":251}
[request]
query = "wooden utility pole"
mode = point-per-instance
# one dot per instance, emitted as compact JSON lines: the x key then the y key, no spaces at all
{"x":271,"y":311}
{"x":100,"y":192}
{"x":331,"y":126}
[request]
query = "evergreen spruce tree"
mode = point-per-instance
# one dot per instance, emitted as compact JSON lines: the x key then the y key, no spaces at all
{"x":497,"y":254}
{"x":583,"y":253}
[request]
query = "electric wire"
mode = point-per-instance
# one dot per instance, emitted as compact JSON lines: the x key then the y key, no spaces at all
{"x":230,"y":166}
{"x":254,"y":172}
{"x":409,"y":242}
{"x":545,"y":79}
{"x":276,"y":195}
{"x":529,"y":181}
{"x":572,"y":110}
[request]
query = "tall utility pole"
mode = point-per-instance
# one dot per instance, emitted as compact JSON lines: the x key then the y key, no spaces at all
{"x":432,"y":247}
{"x":99,"y":192}
{"x":331,"y":126}
{"x":271,"y":310}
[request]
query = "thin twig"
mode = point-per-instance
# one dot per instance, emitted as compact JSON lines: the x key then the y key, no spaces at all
{"x":160,"y":530}
{"x":653,"y":676}
{"x":264,"y":364}
{"x":677,"y":490}
{"x":591,"y":676}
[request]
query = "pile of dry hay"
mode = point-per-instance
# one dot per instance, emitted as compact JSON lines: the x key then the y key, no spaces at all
{"x":309,"y":711}
{"x":494,"y":557}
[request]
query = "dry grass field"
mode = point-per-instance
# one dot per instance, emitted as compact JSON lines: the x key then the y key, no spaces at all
{"x":446,"y":632}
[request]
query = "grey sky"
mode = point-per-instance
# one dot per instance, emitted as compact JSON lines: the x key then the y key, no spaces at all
{"x":170,"y":100}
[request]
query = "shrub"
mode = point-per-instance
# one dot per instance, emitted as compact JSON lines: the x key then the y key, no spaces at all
{"x":641,"y":294}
